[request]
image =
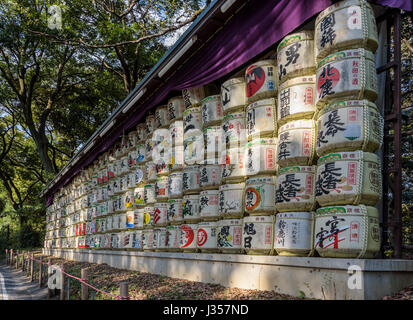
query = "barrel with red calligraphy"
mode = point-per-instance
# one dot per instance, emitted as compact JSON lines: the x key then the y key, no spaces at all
{"x":344,"y":25}
{"x":206,"y":239}
{"x":259,"y":195}
{"x":348,"y":178}
{"x":258,"y":234}
{"x":348,"y":126}
{"x":188,"y":237}
{"x":260,"y":155}
{"x":233,"y":165}
{"x":347,"y":231}
{"x":160,"y":214}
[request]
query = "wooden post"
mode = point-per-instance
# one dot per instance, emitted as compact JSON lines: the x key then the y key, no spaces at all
{"x":32,"y":267}
{"x":49,"y":291}
{"x":84,"y":288}
{"x":124,"y":289}
{"x":63,"y":278}
{"x":17,"y":259}
{"x":7,"y":257}
{"x":11,"y":257}
{"x":40,"y":272}
{"x":68,"y":288}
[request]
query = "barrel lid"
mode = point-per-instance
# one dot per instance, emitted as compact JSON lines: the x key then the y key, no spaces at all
{"x":354,"y":155}
{"x":261,"y":63}
{"x":263,"y":102}
{"x":239,"y":80}
{"x":360,"y":209}
{"x":295,"y":37}
{"x":338,"y":6}
{"x":216,"y":97}
{"x":297,"y":215}
{"x":263,"y":179}
{"x":259,"y":219}
{"x":346,"y":54}
{"x":297,"y":124}
{"x":231,"y":186}
{"x":347,"y":104}
{"x":308,"y":80}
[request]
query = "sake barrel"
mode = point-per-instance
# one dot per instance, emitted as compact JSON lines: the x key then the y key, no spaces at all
{"x":139,"y":174}
{"x":348,"y":178}
{"x":192,"y":120}
{"x":213,"y":141}
{"x":148,"y":240}
{"x":258,"y":234}
{"x":259,"y":196}
{"x":193,"y":96}
{"x":208,"y":205}
{"x":176,"y":108}
{"x":148,"y":217}
{"x":348,"y":126}
{"x":229,"y":235}
{"x":295,"y":189}
{"x":122,"y":221}
{"x":123,"y":183}
{"x":206,"y":239}
{"x":137,"y":240}
{"x":150,"y":125}
{"x":294,"y":233}
{"x":347,"y":231}
{"x":233,"y":96}
{"x":161,"y":239}
{"x":348,"y":74}
{"x":139,"y":196}
{"x":210,"y":174}
{"x":194,"y":149}
{"x":175,"y":184}
{"x":234,"y":130}
{"x":233,"y":165}
{"x":161,"y":188}
{"x":128,"y":199}
{"x":111,"y":171}
{"x":132,"y":140}
{"x":260,"y":156}
{"x":148,"y":148}
{"x":161,"y":117}
{"x":211,"y":110}
{"x":138,"y":217}
{"x":174,"y":238}
{"x":188,"y":237}
{"x":296,"y":99}
{"x":124,"y":165}
{"x":150,"y":171}
{"x":106,"y":241}
{"x":176,"y":131}
{"x":190,"y":206}
{"x":260,"y":119}
{"x":114,"y":241}
{"x":261,"y":80}
{"x":140,"y":153}
{"x":109,"y":220}
{"x":231,"y":200}
{"x":132,"y":163}
{"x":175,"y":211}
{"x":140,"y":132}
{"x":176,"y":158}
{"x":295,"y":55}
{"x":160,"y":214}
{"x":149,"y":193}
{"x":345,"y":25}
{"x":126,"y":240}
{"x":190,"y":179}
{"x":296,"y":143}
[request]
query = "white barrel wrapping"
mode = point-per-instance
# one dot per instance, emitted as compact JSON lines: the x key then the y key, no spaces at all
{"x":194,"y":149}
{"x":175,"y":211}
{"x":213,"y":141}
{"x":294,"y":233}
{"x":210,"y":174}
{"x":161,"y":188}
{"x":162,"y":239}
{"x":149,"y":193}
{"x":347,"y":232}
{"x":295,"y":189}
{"x":209,"y":205}
{"x":190,"y":204}
{"x":233,"y":165}
{"x":139,"y":196}
{"x":206,"y":239}
{"x":231,"y":200}
{"x":190,"y":179}
{"x":259,"y":196}
{"x":233,"y":95}
{"x":193,"y":97}
{"x":188,"y":236}
{"x":150,"y":125}
{"x":258,"y":234}
{"x":261,"y":119}
{"x":176,"y":131}
{"x":160,"y":214}
{"x":140,"y":133}
{"x":176,"y":158}
{"x":176,"y":108}
{"x":234,"y":129}
{"x":192,"y":120}
{"x":175,"y":184}
{"x":140,"y":153}
{"x":211,"y":110}
{"x":261,"y":80}
{"x":260,"y":156}
{"x":229,"y":235}
{"x":137,"y":240}
{"x":161,"y":117}
{"x":150,"y":171}
{"x":148,"y":217}
{"x":138,"y":218}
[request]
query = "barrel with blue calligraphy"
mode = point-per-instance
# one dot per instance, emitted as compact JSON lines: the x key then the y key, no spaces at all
{"x":231,"y":200}
{"x":349,"y":125}
{"x":140,"y":153}
{"x":258,"y":234}
{"x":175,"y":211}
{"x":295,"y":189}
{"x":229,"y":236}
{"x":293,"y":234}
{"x":296,"y":143}
{"x":348,"y":74}
{"x":188,"y":237}
{"x":296,"y":99}
{"x":295,"y":55}
{"x":211,"y":111}
{"x":176,"y":108}
{"x":261,"y":120}
{"x":190,"y":206}
{"x":193,"y":96}
{"x":259,"y":196}
{"x":347,"y":231}
{"x":261,"y":80}
{"x":137,"y":240}
{"x":209,"y":205}
{"x":345,"y":25}
{"x":233,"y":95}
{"x":206,"y":239}
{"x":348,"y":178}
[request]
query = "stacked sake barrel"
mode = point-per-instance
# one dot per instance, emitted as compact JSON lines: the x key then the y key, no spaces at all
{"x":295,"y":155}
{"x":349,"y":131}
{"x":260,"y":165}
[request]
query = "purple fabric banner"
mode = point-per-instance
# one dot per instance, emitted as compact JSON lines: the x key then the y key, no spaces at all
{"x":248,"y":33}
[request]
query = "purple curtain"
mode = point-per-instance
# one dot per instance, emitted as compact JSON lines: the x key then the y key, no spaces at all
{"x":248,"y":33}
